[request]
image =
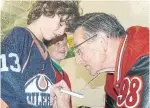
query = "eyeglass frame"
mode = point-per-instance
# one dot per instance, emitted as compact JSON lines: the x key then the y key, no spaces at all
{"x":83,"y":43}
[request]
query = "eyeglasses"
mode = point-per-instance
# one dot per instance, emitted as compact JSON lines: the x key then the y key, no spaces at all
{"x":78,"y":50}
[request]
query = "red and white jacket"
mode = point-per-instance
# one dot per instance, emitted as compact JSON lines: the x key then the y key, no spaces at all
{"x":128,"y":87}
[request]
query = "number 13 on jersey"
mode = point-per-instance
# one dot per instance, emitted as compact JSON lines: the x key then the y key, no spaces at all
{"x":12,"y":63}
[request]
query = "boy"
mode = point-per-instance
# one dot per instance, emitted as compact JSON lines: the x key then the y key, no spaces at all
{"x":58,"y":49}
{"x":26,"y":70}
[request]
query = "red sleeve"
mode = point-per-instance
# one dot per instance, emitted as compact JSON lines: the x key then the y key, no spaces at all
{"x":66,"y":79}
{"x":109,"y":89}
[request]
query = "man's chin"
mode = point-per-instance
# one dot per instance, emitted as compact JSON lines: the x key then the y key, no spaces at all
{"x":92,"y":73}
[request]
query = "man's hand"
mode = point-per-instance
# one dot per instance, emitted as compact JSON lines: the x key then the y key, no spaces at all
{"x":59,"y":99}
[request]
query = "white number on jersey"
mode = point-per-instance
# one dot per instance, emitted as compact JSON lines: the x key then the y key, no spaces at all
{"x":15,"y":68}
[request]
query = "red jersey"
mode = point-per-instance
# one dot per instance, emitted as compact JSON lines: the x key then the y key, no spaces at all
{"x":129,"y":85}
{"x":61,"y":75}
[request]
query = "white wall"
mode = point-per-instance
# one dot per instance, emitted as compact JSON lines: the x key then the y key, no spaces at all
{"x":128,"y":13}
{"x":79,"y":77}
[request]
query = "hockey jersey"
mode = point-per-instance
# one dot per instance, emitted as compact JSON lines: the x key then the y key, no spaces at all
{"x":128,"y":87}
{"x":60,"y":74}
{"x":26,"y":70}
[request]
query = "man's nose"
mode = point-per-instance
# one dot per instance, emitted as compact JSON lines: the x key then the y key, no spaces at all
{"x":78,"y":59}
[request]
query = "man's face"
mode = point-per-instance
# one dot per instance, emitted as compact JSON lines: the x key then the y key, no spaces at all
{"x":52,"y":27}
{"x":90,"y":55}
{"x":59,"y":50}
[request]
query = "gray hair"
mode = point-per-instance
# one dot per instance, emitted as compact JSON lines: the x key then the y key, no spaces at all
{"x":100,"y":22}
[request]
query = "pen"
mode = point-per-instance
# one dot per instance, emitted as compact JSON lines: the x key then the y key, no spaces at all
{"x":79,"y":95}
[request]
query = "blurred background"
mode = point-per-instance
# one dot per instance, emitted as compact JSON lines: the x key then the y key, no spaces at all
{"x":129,"y":13}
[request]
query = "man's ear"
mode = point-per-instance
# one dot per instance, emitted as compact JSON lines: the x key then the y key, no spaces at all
{"x":103,"y":39}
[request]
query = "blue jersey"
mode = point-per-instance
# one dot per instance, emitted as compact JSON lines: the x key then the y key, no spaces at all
{"x":26,"y":70}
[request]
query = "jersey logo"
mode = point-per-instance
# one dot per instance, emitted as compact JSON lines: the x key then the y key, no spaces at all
{"x":37,"y":90}
{"x":42,"y":83}
{"x":129,"y":93}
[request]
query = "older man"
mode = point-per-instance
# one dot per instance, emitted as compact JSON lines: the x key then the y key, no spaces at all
{"x":102,"y":44}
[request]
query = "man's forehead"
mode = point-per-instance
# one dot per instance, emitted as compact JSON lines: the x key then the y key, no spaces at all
{"x":79,"y":32}
{"x":78,"y":36}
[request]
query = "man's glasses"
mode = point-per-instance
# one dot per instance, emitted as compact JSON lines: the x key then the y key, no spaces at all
{"x":77,"y":50}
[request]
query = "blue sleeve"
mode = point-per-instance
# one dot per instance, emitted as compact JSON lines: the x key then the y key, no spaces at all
{"x":141,"y":70}
{"x":12,"y":87}
{"x":13,"y":47}
{"x":134,"y":88}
